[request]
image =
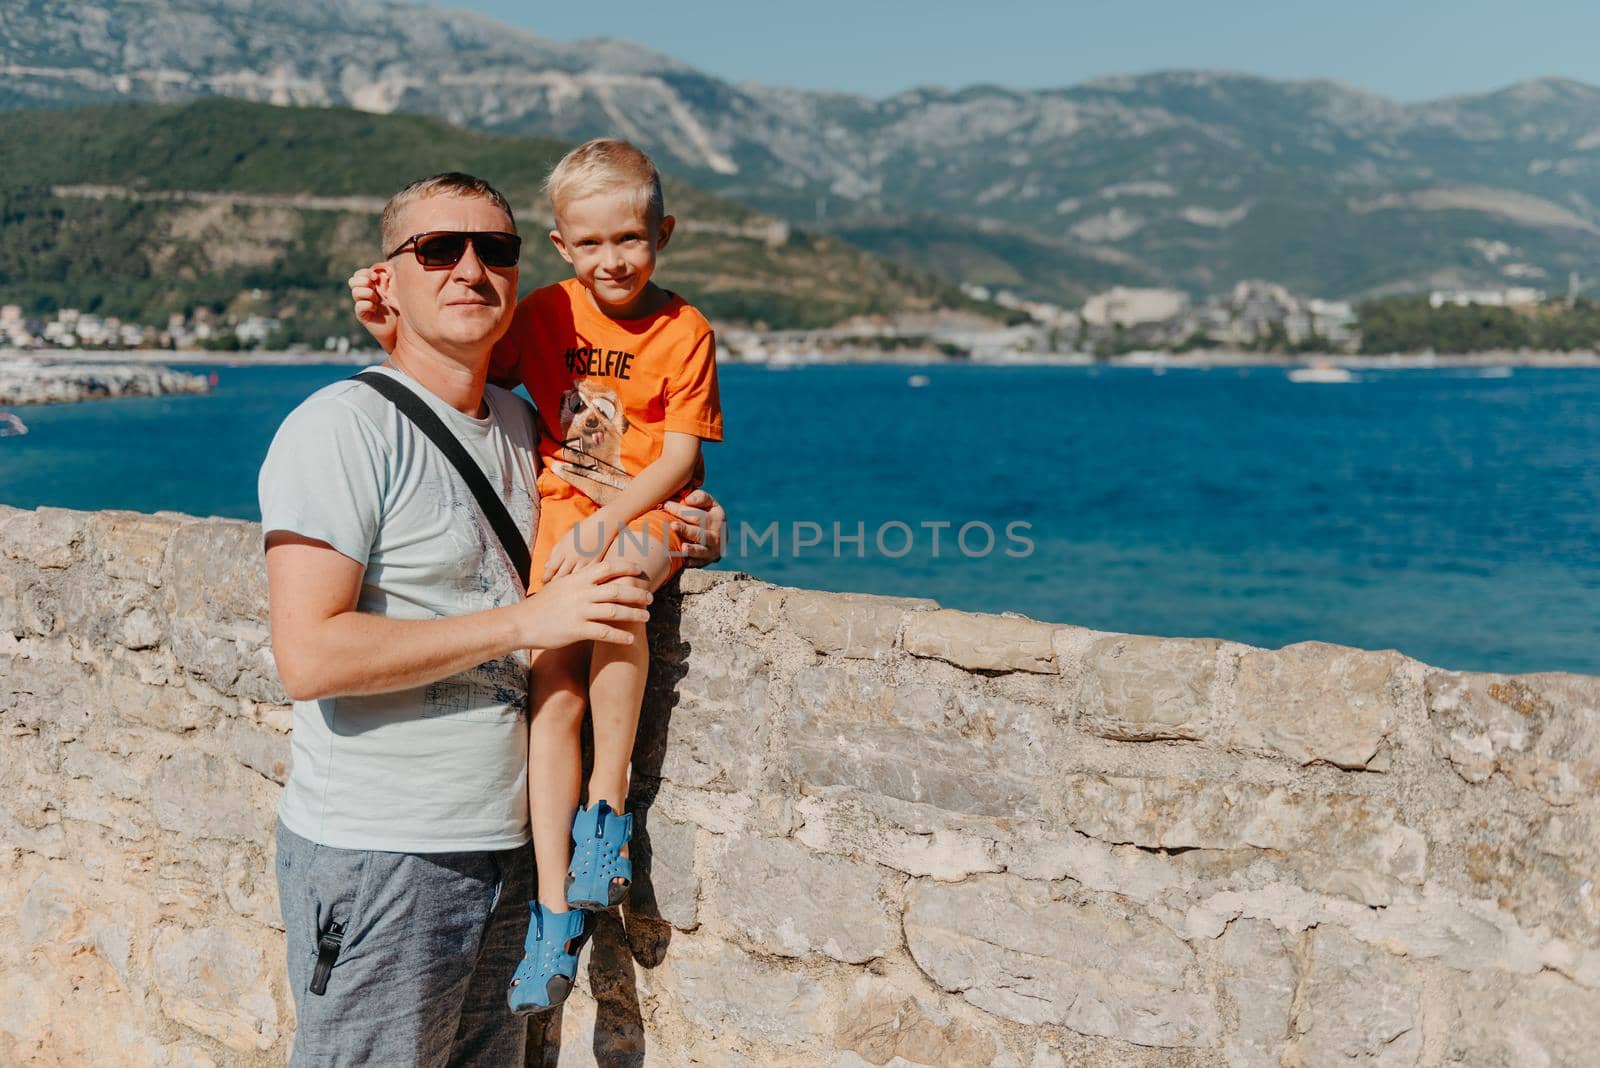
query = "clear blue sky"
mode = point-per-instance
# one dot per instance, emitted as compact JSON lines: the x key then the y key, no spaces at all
{"x":1407,"y":49}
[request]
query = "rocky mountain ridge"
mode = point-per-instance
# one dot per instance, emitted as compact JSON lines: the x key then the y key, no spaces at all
{"x":1188,"y":178}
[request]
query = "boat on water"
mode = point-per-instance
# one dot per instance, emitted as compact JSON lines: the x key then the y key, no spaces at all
{"x":1323,"y":373}
{"x":11,"y":426}
{"x":918,"y":381}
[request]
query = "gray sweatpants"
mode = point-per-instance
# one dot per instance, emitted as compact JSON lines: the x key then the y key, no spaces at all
{"x":430,"y":943}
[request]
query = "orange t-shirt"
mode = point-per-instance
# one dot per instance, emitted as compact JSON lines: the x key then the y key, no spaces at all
{"x":608,"y":390}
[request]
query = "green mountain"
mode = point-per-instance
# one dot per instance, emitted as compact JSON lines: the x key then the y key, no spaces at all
{"x":140,"y":211}
{"x":1190,"y":178}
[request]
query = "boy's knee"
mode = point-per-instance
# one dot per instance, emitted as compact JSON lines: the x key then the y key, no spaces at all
{"x":649,"y":548}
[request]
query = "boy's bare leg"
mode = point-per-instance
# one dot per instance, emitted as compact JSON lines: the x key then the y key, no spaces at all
{"x":616,"y":682}
{"x":555,"y":764}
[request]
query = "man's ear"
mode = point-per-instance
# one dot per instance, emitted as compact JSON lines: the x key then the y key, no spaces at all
{"x":664,"y":231}
{"x":561,"y":246}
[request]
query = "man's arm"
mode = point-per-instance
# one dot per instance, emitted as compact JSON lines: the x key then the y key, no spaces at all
{"x":325,"y":648}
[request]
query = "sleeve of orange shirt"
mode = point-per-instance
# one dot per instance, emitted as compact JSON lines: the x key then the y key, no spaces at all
{"x":694,"y":405}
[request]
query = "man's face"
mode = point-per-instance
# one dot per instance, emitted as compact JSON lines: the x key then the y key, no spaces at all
{"x":611,"y":242}
{"x":460,"y":310}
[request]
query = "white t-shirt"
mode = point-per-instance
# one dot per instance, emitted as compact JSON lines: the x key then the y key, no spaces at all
{"x":443,"y":767}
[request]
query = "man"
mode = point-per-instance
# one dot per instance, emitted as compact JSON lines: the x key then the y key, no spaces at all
{"x":401,"y":630}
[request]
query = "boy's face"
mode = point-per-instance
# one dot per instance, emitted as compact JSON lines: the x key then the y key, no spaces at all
{"x":611,"y":242}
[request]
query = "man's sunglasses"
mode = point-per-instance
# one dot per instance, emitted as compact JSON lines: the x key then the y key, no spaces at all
{"x":444,"y":248}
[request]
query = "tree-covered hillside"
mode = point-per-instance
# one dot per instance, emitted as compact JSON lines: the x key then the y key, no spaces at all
{"x":141,"y":211}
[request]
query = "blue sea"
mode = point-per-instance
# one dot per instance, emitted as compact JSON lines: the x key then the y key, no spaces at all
{"x":1445,"y":513}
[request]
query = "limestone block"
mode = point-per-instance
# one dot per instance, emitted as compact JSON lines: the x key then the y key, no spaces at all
{"x":731,"y":994}
{"x":795,"y":902}
{"x":47,"y":695}
{"x":196,"y":794}
{"x":963,"y":751}
{"x":30,"y":822}
{"x":849,"y":624}
{"x":258,"y":671}
{"x":1043,"y":851}
{"x":47,"y":538}
{"x":766,"y":609}
{"x":915,"y":839}
{"x":216,"y":571}
{"x":1317,"y":702}
{"x":719,"y":813}
{"x":707,"y":728}
{"x":665,"y":884}
{"x":263,"y":751}
{"x":250,"y":886}
{"x":982,"y":642}
{"x":1542,"y":732}
{"x":1541,"y":1020}
{"x":1361,"y":1004}
{"x":132,"y":545}
{"x":49,"y":911}
{"x":212,"y":980}
{"x":692,"y":580}
{"x":884,"y":1022}
{"x":140,"y":628}
{"x":10,"y":608}
{"x":1260,"y":982}
{"x":233,"y":657}
{"x":1008,"y":948}
{"x":38,"y":610}
{"x":122,"y":818}
{"x":1341,"y":843}
{"x":169,"y":707}
{"x":1545,"y":869}
{"x":1141,"y":689}
{"x":25,"y":1020}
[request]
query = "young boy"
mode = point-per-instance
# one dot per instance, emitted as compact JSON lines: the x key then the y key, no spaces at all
{"x":624,"y":376}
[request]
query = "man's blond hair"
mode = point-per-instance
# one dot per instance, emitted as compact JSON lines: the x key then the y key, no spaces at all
{"x":448,"y":184}
{"x":600,"y":166}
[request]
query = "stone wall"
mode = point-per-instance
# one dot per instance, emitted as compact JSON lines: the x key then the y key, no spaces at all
{"x":874,"y":832}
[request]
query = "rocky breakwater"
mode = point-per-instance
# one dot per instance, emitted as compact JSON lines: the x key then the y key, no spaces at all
{"x":28,"y":381}
{"x":872,"y":832}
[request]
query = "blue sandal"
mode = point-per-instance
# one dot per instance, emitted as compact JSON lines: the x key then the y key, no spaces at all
{"x":598,"y":835}
{"x":549,"y":966}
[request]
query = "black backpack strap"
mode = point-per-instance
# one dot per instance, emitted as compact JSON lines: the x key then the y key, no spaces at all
{"x":494,"y":509}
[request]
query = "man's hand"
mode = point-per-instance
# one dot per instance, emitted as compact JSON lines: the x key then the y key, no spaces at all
{"x":703,"y":526}
{"x":585,"y":543}
{"x":371,"y":309}
{"x":587,"y":605}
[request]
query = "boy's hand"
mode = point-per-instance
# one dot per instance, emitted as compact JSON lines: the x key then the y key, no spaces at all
{"x":371,"y":310}
{"x":588,"y":605}
{"x":584,"y":544}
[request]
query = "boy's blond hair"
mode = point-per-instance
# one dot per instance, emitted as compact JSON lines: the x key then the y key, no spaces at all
{"x":448,"y":184}
{"x":601,"y":165}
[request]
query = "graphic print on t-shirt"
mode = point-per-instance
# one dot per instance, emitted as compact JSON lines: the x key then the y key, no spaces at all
{"x":592,"y":423}
{"x":498,"y":688}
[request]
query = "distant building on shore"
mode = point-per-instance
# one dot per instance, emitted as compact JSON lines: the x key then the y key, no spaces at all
{"x":1127,"y":307}
{"x":1510,"y":297}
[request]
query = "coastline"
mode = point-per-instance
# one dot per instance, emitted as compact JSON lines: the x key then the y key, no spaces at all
{"x":27,"y":381}
{"x":1199,"y":360}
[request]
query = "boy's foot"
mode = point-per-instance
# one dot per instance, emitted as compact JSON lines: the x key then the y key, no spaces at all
{"x":549,"y":964}
{"x":601,"y":872}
